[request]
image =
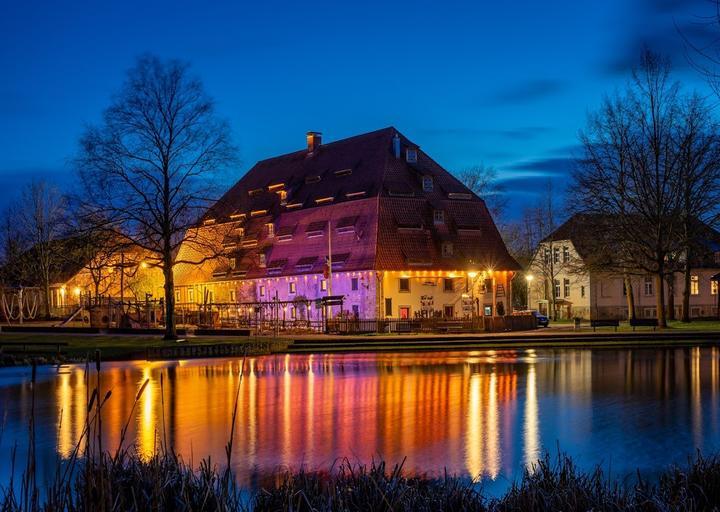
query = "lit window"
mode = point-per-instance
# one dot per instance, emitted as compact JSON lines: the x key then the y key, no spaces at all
{"x":447,"y":249}
{"x":427,"y":184}
{"x":405,"y":284}
{"x":232,"y":296}
{"x":439,"y":216}
{"x":293,"y":312}
{"x":292,"y":287}
{"x":191,"y":295}
{"x":233,"y":263}
{"x":694,"y":285}
{"x":448,"y":284}
{"x":649,"y":286}
{"x":262,"y":290}
{"x":323,"y":285}
{"x":566,"y":287}
{"x":354,"y":284}
{"x":270,"y":229}
{"x":713,"y":287}
{"x":263,"y":259}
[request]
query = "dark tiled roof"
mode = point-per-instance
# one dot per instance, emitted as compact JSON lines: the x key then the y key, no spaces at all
{"x":392,"y":218}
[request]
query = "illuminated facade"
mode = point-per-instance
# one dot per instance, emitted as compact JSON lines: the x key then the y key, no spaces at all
{"x":405,"y":237}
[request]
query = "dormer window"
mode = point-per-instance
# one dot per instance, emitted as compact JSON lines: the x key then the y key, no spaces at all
{"x":427,"y":183}
{"x":411,"y":155}
{"x":263,"y":260}
{"x":240,"y":231}
{"x":270,"y":229}
{"x":312,"y":179}
{"x":447,"y":249}
{"x":282,"y":194}
{"x":439,"y":216}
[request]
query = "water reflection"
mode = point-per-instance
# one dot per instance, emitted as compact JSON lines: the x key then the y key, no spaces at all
{"x":484,"y":414}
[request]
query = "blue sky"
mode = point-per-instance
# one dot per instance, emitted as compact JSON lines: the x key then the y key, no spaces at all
{"x":504,"y":83}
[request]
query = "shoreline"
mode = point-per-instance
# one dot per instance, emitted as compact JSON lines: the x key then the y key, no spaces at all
{"x":20,"y":348}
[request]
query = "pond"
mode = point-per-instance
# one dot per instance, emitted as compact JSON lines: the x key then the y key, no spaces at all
{"x":479,"y":413}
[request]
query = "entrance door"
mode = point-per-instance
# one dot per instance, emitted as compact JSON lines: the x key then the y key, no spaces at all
{"x":404,"y":312}
{"x":449,"y":311}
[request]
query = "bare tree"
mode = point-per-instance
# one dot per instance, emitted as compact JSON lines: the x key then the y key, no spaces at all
{"x":698,"y":146}
{"x":630,"y":171}
{"x":151,"y":167}
{"x":483,"y":181}
{"x":40,"y":215}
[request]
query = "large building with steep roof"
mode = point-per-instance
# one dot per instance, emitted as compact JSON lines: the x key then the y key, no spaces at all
{"x":406,"y":238}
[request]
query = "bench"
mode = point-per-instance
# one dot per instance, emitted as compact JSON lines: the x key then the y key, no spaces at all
{"x":604,"y":323}
{"x":644,"y":322}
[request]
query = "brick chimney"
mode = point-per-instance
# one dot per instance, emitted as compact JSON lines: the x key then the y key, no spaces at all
{"x":314,"y":140}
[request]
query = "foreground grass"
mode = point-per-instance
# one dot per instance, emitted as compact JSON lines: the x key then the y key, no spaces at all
{"x":127,"y":482}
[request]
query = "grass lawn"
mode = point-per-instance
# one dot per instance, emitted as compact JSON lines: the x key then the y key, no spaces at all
{"x":113,"y":346}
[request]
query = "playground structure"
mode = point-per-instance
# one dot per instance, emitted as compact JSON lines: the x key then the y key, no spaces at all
{"x":20,"y":304}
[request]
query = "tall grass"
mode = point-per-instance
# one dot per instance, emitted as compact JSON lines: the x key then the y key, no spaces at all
{"x":93,"y":478}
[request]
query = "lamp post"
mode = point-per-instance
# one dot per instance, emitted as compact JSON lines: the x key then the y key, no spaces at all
{"x":528,"y":278}
{"x":472,"y":275}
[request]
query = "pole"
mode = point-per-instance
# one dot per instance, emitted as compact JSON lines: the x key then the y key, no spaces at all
{"x":328,"y":314}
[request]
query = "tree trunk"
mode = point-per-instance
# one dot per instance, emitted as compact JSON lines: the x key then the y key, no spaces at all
{"x":660,"y":304}
{"x":686,"y":291}
{"x":630,"y":297}
{"x":47,"y":299}
{"x":671,"y":296}
{"x":170,"y":329}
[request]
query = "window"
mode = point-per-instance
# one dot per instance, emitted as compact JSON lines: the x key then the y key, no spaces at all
{"x":717,"y":258}
{"x":411,"y":155}
{"x":323,"y":285}
{"x":547,"y":256}
{"x":404,"y":284}
{"x":447,"y":249}
{"x":582,"y":292}
{"x":405,"y":312}
{"x":232,"y":296}
{"x":487,"y":285}
{"x":292,"y":287}
{"x":713,"y":287}
{"x":191,"y":295}
{"x":694,"y":285}
{"x":556,"y":254}
{"x":448,"y":285}
{"x":354,"y":284}
{"x":263,"y":259}
{"x":262,"y":290}
{"x":649,"y":286}
{"x":177,"y":296}
{"x":427,"y":184}
{"x":566,"y":254}
{"x":557,"y":288}
{"x":449,"y":311}
{"x":388,"y":307}
{"x":270,"y":229}
{"x":624,"y":289}
{"x":566,"y":287}
{"x":293,"y":313}
{"x":356,"y":310}
{"x":439,"y":216}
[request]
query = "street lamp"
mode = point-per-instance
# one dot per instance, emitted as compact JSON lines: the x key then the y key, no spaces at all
{"x":528,"y":278}
{"x":472,"y":275}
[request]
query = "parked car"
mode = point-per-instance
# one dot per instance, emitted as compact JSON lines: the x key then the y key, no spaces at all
{"x":542,"y":320}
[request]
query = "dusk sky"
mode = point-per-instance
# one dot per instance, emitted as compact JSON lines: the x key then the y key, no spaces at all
{"x":504,"y":83}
